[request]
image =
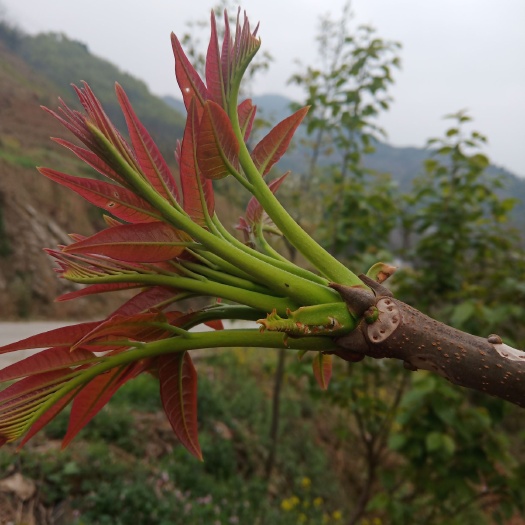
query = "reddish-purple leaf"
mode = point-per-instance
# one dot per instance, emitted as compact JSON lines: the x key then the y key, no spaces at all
{"x":97,"y":288}
{"x":273,"y":146}
{"x":76,"y":124}
{"x":148,"y":155}
{"x":216,"y":324}
{"x":246,"y":111}
{"x":99,"y":119}
{"x":217,"y":145}
{"x":23,"y":399}
{"x":65,"y":336}
{"x":190,"y":83}
{"x":111,"y":221}
{"x":178,"y":391}
{"x":46,"y":417}
{"x":91,"y":159}
{"x":227,"y":45}
{"x":45,"y":361}
{"x":136,"y":327}
{"x":92,"y":398}
{"x":245,"y":46}
{"x":119,"y":201}
{"x":155,"y":298}
{"x":254,"y":210}
{"x":197,"y":191}
{"x":214,"y":80}
{"x":322,"y":367}
{"x":143,"y":242}
{"x":36,"y":384}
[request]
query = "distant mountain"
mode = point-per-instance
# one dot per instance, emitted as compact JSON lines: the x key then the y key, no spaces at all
{"x":403,"y":163}
{"x":63,"y":61}
{"x":35,"y":212}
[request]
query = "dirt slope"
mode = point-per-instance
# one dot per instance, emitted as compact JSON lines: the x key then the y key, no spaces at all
{"x":34,"y":213}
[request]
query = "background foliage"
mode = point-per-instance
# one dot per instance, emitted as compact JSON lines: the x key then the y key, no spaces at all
{"x":382,"y":445}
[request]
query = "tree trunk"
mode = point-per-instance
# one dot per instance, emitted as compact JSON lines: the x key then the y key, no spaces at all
{"x":391,"y":328}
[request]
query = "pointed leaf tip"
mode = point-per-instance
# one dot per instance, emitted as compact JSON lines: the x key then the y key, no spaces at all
{"x":273,"y":146}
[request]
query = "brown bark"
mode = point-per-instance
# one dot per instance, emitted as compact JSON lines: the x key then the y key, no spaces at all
{"x":398,"y":331}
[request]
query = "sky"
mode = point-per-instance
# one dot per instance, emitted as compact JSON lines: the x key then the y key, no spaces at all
{"x":457,"y":54}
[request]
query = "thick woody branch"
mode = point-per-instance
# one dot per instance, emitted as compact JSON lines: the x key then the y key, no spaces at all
{"x":398,"y":331}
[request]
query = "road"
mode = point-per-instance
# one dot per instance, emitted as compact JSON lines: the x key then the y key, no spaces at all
{"x":11,"y":332}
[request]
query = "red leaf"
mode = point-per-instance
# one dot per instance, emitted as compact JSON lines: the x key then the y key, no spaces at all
{"x":178,"y":391}
{"x":100,"y":120}
{"x":195,"y":188}
{"x":254,"y":210}
{"x":65,"y":336}
{"x":322,"y":366}
{"x":20,"y":401}
{"x":46,"y":417}
{"x":91,"y":159}
{"x":136,"y":327}
{"x":246,"y":111}
{"x":273,"y":146}
{"x":214,"y":80}
{"x":97,"y":288}
{"x":143,"y":242}
{"x":217,"y":145}
{"x":119,"y":201}
{"x":155,"y":298}
{"x":244,"y":48}
{"x":92,"y":398}
{"x":45,"y":361}
{"x":149,"y":157}
{"x":216,"y":324}
{"x":189,"y":81}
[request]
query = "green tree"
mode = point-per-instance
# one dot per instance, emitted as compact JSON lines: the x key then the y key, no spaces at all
{"x":458,"y":240}
{"x":346,"y":93}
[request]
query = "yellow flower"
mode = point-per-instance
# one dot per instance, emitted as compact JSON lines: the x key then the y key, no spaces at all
{"x":302,"y":518}
{"x":289,"y":503}
{"x":337,"y":515}
{"x":318,"y":501}
{"x":377,"y":521}
{"x":306,"y":482}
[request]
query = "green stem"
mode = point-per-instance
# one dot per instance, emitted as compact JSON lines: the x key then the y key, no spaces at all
{"x":193,"y":341}
{"x":253,"y":299}
{"x":298,"y":289}
{"x":225,"y":278}
{"x":284,"y":264}
{"x":328,"y":265}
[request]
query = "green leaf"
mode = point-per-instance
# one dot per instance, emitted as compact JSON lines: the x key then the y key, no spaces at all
{"x":437,"y":441}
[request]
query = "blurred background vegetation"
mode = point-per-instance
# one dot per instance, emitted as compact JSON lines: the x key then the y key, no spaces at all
{"x":383,"y":445}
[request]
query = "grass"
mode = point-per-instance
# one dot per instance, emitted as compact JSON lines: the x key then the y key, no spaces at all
{"x":126,"y":467}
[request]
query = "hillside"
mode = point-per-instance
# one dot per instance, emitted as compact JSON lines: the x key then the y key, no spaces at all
{"x":35,"y":213}
{"x":63,"y":61}
{"x":403,"y":163}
